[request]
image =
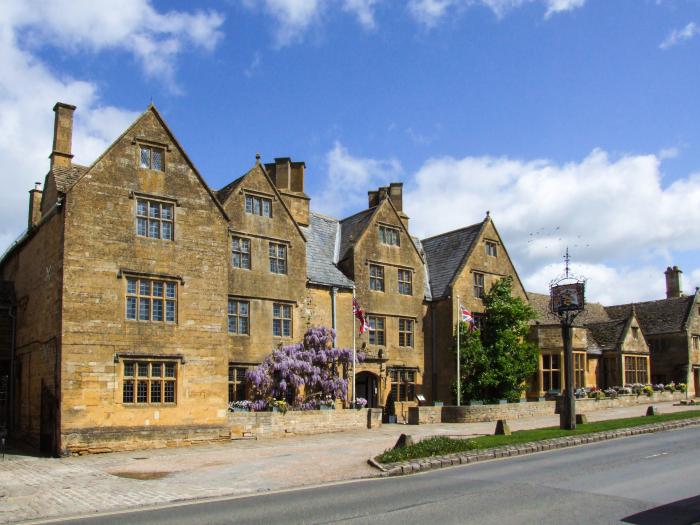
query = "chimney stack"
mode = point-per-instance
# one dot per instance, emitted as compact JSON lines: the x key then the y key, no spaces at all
{"x":34,"y":205}
{"x":673,"y":282}
{"x":288,"y":178}
{"x":62,"y":136}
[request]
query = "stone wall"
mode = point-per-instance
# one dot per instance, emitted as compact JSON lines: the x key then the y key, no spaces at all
{"x":276,"y":424}
{"x":482,"y":413}
{"x":113,"y":439}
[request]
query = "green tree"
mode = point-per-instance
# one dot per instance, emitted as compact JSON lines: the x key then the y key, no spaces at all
{"x":497,"y":360}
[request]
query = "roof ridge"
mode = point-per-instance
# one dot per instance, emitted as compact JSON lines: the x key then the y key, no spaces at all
{"x":322,"y":216}
{"x":453,"y":231}
{"x":356,"y":214}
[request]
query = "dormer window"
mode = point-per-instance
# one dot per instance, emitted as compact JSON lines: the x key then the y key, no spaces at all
{"x":258,"y":206}
{"x":389,"y":236}
{"x":151,"y":157}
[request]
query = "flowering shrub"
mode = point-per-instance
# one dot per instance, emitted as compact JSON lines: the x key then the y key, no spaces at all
{"x":360,"y":402}
{"x":671,"y":387}
{"x":682,"y":387}
{"x":303,"y":371}
{"x":647,"y":390}
{"x":280,"y":405}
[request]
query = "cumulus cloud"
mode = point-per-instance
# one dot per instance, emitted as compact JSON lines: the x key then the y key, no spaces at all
{"x":620,"y":222}
{"x":348,"y":178}
{"x":29,"y":88}
{"x":430,"y":12}
{"x":292,"y":18}
{"x":680,"y":35}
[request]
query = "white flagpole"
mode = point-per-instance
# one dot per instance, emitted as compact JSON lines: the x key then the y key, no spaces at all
{"x":354,"y":351}
{"x":459,"y":382}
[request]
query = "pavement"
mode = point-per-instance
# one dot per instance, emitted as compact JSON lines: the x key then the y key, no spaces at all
{"x":35,"y":488}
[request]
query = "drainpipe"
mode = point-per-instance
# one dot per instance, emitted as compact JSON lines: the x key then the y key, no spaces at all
{"x":434,"y":353}
{"x":334,"y":311}
{"x":11,"y":385}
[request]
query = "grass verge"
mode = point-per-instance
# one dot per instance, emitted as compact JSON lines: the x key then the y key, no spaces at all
{"x":440,"y":445}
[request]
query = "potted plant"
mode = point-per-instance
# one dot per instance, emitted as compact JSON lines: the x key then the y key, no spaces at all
{"x":360,"y":402}
{"x":327,"y":403}
{"x":279,"y":405}
{"x":240,"y":406}
{"x":647,"y":390}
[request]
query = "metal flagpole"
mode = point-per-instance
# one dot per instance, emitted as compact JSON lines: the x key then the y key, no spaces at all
{"x":354,"y":351}
{"x":459,"y":324}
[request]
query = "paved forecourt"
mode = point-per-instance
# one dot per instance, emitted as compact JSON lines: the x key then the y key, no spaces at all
{"x":32,"y":488}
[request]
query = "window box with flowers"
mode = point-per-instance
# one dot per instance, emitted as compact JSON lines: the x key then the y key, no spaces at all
{"x":240,"y":406}
{"x":328,"y":403}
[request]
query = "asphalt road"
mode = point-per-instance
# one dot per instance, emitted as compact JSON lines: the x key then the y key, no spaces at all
{"x":649,"y":479}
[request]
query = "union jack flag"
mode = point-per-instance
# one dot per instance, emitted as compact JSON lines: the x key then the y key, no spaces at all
{"x":360,"y":314}
{"x":466,"y":316}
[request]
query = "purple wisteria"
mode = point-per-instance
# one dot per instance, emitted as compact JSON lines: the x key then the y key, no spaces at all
{"x":303,"y":373}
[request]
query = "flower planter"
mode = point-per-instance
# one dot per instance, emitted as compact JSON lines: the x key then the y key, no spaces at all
{"x":502,"y":401}
{"x":326,"y":407}
{"x":475,"y":403}
{"x":438,"y":403}
{"x":237,"y":409}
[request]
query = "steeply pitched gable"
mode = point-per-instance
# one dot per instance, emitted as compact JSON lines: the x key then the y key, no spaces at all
{"x":657,"y":317}
{"x":445,"y":254}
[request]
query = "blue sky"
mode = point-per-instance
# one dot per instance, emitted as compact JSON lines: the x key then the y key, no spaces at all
{"x":574,"y":121}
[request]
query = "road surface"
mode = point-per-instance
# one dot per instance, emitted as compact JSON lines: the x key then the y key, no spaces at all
{"x":648,"y":479}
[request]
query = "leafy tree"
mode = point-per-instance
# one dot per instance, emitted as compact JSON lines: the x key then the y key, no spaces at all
{"x":497,"y":360}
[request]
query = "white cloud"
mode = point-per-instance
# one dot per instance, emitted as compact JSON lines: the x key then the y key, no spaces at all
{"x":620,"y":223}
{"x":293,"y":18}
{"x":363,"y":10}
{"x":29,"y":88}
{"x":154,"y":39}
{"x":430,"y":12}
{"x":680,"y":35}
{"x":349,"y":178}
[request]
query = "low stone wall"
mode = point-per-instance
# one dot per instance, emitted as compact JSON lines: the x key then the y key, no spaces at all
{"x":112,"y":439}
{"x":481,"y":413}
{"x":584,"y":406}
{"x":276,"y":424}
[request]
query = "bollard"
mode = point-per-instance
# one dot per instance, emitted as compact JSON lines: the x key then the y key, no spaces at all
{"x":404,"y":441}
{"x":502,"y":428}
{"x":652,"y":411}
{"x":581,"y":419}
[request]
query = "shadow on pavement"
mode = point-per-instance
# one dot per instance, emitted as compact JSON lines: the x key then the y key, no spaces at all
{"x":681,"y":512}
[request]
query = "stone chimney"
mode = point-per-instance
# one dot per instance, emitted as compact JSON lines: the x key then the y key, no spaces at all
{"x":673,"y":282}
{"x":393,"y":192}
{"x":62,"y":136}
{"x":288,"y":178}
{"x":34,"y":205}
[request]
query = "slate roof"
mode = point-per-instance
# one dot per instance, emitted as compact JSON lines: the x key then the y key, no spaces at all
{"x":444,"y":254}
{"x":322,"y":238}
{"x":7,"y":293}
{"x":593,"y":313}
{"x":608,"y":335}
{"x":224,"y":192}
{"x":65,"y":177}
{"x":351,"y":228}
{"x":656,"y":317}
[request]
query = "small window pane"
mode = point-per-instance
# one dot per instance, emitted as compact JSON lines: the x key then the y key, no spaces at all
{"x":167,"y":231}
{"x":145,"y":157}
{"x":169,"y":369}
{"x":266,"y":207}
{"x":131,"y":308}
{"x":157,"y":159}
{"x":144,"y":310}
{"x":167,"y":211}
{"x":145,"y":287}
{"x":156,"y":369}
{"x":128,"y":395}
{"x":143,"y":369}
{"x":142,"y":392}
{"x":155,"y":391}
{"x":141,"y":207}
{"x":142,"y":227}
{"x":129,"y":369}
{"x":157,"y":310}
{"x":154,"y":210}
{"x":169,"y":392}
{"x":131,"y":286}
{"x":256,"y":206}
{"x":154,"y":229}
{"x":249,"y":204}
{"x":170,"y":290}
{"x":170,"y":311}
{"x":158,"y":288}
